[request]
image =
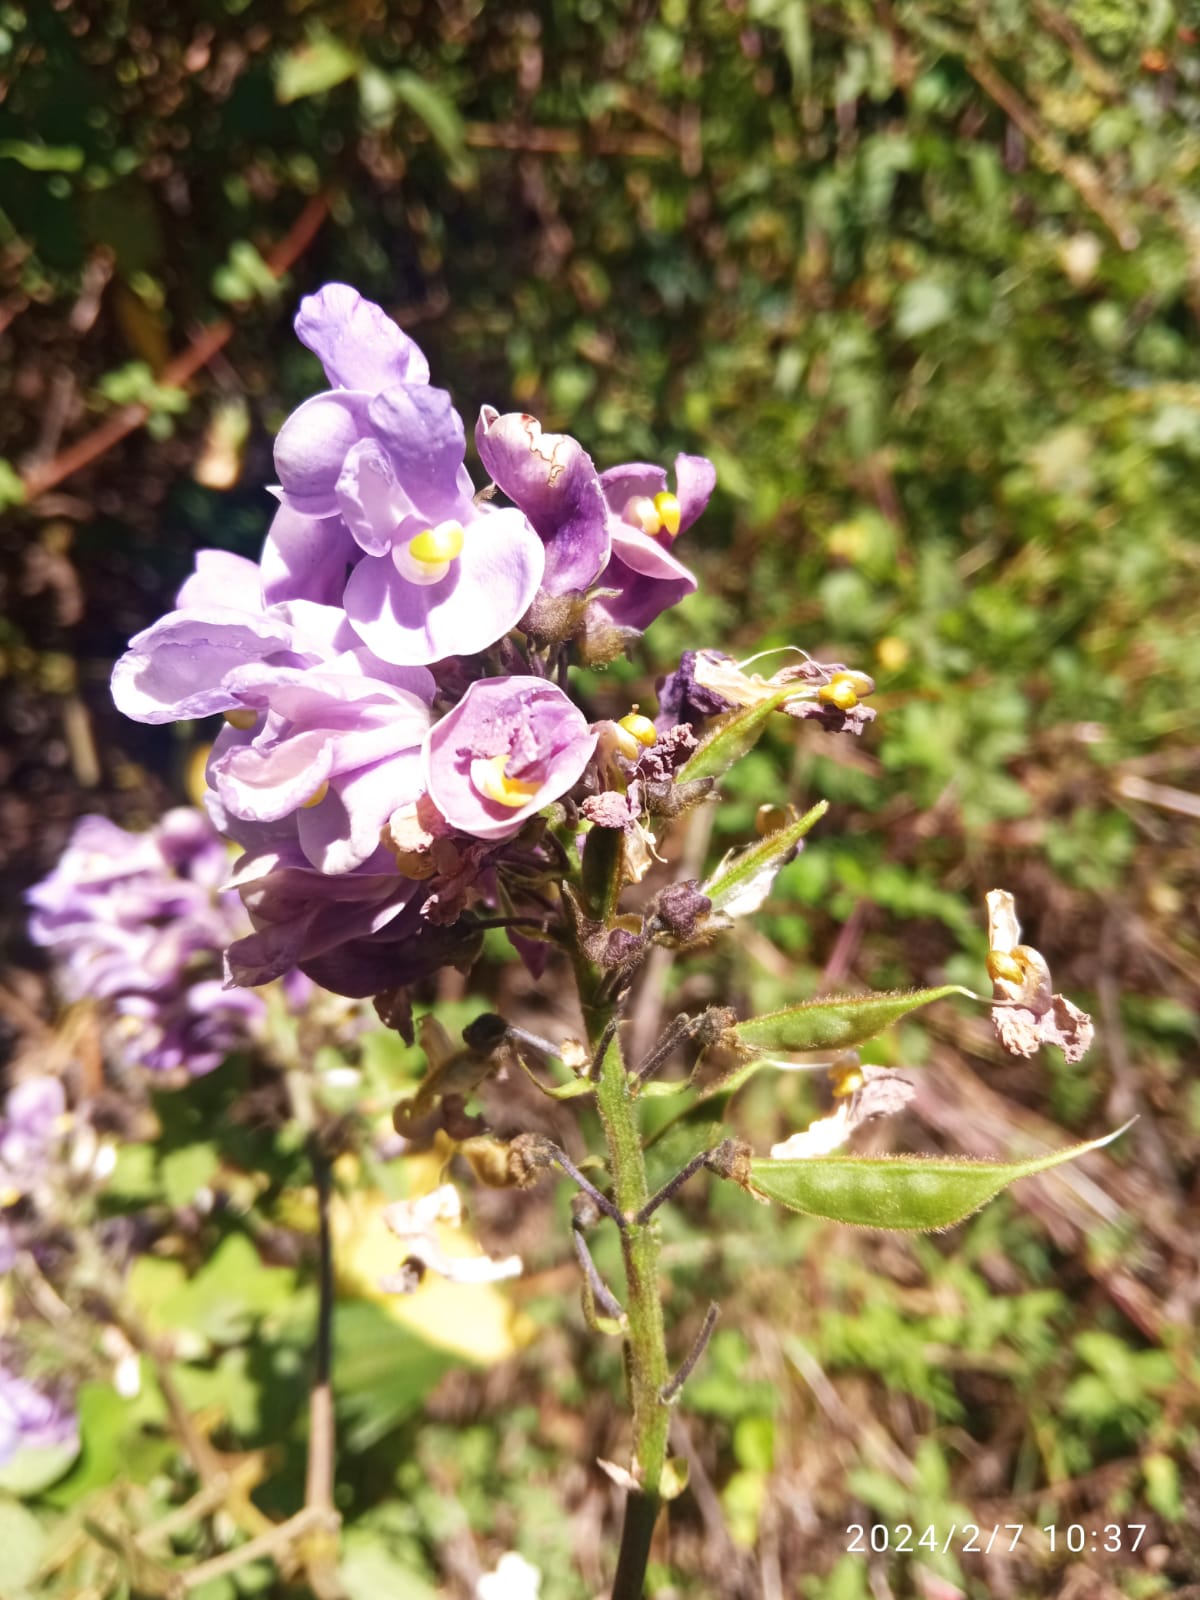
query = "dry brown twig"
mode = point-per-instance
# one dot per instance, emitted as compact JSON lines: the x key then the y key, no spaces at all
{"x":41,"y":477}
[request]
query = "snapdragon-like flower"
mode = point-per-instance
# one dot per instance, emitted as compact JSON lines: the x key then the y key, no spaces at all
{"x":379,"y":457}
{"x":551,"y":477}
{"x":32,"y":1417}
{"x":137,"y":921}
{"x":509,"y":748}
{"x":645,"y":518}
{"x":367,"y":834}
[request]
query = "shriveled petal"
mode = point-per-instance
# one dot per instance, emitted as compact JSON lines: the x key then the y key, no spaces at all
{"x":312,"y":446}
{"x":553,"y":480}
{"x":222,"y":579}
{"x":343,"y":831}
{"x":305,"y":558}
{"x":357,"y":343}
{"x":486,"y":592}
{"x":176,"y":668}
{"x":424,"y":439}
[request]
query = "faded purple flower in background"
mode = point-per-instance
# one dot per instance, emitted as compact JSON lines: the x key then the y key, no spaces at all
{"x":509,"y":748}
{"x":31,"y":1129}
{"x":33,"y":1418}
{"x":138,"y":921}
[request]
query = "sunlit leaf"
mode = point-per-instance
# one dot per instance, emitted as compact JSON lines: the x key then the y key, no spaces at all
{"x":837,"y":1023}
{"x":314,"y":67}
{"x":732,"y":737}
{"x":913,"y":1193}
{"x":743,"y":880}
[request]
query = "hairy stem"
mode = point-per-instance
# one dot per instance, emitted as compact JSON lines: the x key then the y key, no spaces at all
{"x":646,"y":1340}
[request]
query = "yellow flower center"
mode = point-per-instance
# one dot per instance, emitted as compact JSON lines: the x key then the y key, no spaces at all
{"x":641,"y":728}
{"x":845,"y":689}
{"x":426,"y":558}
{"x":315,"y":797}
{"x":490,"y":778}
{"x":669,"y":511}
{"x":1002,"y":964}
{"x":241,"y":717}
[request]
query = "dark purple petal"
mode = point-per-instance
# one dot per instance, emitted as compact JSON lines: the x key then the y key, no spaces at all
{"x":647,"y":577}
{"x":357,"y":343}
{"x":551,"y":477}
{"x":695,"y":480}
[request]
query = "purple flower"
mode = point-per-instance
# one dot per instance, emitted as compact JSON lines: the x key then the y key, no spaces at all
{"x":137,"y":922}
{"x":550,"y":476}
{"x":32,"y":1418}
{"x":509,"y":748}
{"x":644,"y":518}
{"x":372,"y":471}
{"x":300,"y":914}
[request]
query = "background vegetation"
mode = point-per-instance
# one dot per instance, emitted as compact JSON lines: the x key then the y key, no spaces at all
{"x":923,"y":279}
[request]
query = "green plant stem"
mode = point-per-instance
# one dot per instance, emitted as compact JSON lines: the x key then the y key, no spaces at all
{"x":646,"y":1338}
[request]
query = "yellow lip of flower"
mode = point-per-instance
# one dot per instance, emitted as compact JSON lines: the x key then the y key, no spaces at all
{"x":241,"y":717}
{"x":490,"y":779}
{"x":426,"y":558}
{"x":669,"y":511}
{"x":838,"y":693}
{"x":845,"y":689}
{"x":315,"y":797}
{"x":639,"y":727}
{"x":1004,"y":964}
{"x":642,"y":513}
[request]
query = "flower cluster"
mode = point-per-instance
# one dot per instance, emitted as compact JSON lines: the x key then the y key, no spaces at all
{"x":138,"y":922}
{"x":389,"y":672}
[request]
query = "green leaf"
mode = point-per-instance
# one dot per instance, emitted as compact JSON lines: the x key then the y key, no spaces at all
{"x":34,"y":1468}
{"x":184,"y":1172}
{"x":12,"y":490}
{"x":22,"y":1538}
{"x":434,"y":109}
{"x":914,"y":1193}
{"x":743,"y":881}
{"x":835,"y":1024}
{"x":732,"y":737}
{"x":314,"y":67}
{"x":42,"y":157}
{"x":922,"y":306}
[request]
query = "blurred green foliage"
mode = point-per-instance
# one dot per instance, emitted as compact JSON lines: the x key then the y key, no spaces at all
{"x":923,"y":278}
